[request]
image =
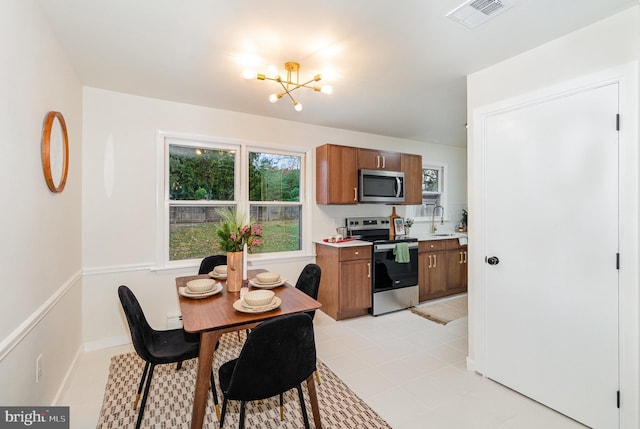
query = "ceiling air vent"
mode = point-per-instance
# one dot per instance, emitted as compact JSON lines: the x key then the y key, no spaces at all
{"x":474,"y":12}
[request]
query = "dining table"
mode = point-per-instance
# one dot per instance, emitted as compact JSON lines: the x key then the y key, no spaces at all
{"x":215,"y":315}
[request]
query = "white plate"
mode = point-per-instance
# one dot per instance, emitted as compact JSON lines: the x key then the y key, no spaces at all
{"x":240,"y":306}
{"x":218,"y":276}
{"x":254,"y":282}
{"x":187,"y":294}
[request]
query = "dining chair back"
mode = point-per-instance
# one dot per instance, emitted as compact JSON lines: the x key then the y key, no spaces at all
{"x":208,"y":263}
{"x":278,"y":355}
{"x":156,"y":347}
{"x":309,"y":282}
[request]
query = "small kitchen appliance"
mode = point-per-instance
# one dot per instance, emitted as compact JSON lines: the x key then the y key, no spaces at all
{"x":394,"y":285}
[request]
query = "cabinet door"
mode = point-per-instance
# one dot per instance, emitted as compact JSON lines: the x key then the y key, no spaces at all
{"x":378,"y":160}
{"x":411,"y":165}
{"x":432,"y":275}
{"x":336,"y":174}
{"x":355,"y":285}
{"x":457,"y":270}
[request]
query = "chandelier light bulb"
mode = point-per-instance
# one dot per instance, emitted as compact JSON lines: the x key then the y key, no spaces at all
{"x":327,"y":89}
{"x":249,"y":74}
{"x":273,"y":98}
{"x":272,"y":71}
{"x":297,"y":106}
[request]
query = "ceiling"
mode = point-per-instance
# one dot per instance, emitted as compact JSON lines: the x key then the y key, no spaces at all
{"x":398,"y":68}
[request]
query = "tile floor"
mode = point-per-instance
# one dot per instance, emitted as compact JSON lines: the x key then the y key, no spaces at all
{"x":410,"y":370}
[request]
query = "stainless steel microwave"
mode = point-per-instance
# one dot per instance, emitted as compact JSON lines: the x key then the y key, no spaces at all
{"x":381,"y":186}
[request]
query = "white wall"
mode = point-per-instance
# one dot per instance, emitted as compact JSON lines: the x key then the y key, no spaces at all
{"x":40,"y":255}
{"x":610,"y":43}
{"x":119,"y":238}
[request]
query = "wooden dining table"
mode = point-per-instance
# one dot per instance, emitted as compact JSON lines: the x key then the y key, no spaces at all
{"x":213,"y":316}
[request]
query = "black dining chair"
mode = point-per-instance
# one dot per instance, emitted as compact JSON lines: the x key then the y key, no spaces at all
{"x":210,"y":262}
{"x":157,"y":347}
{"x":278,"y":355}
{"x":309,"y":283}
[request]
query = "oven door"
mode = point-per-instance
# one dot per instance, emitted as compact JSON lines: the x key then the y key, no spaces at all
{"x":389,"y":274}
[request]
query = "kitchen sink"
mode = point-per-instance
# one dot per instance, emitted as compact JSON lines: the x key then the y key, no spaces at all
{"x":443,"y":235}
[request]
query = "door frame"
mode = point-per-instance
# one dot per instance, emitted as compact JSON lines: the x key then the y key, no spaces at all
{"x":629,"y":306}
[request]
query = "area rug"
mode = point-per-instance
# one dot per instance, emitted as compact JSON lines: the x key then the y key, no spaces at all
{"x":171,"y":398}
{"x":443,"y":311}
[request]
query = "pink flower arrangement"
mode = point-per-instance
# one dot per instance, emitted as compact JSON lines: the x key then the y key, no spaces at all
{"x":233,"y":234}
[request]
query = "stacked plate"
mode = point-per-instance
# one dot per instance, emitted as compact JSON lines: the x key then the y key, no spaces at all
{"x":257,"y":301}
{"x":200,"y":288}
{"x":219,"y":272}
{"x":267,"y":280}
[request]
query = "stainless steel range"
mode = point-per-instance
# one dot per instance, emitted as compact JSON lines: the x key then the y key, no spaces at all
{"x":394,"y":284}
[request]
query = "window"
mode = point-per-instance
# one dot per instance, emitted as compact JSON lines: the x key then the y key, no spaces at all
{"x":433,"y":194}
{"x":201,"y":177}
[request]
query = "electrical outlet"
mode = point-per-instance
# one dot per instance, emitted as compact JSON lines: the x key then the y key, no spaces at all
{"x":38,"y":369}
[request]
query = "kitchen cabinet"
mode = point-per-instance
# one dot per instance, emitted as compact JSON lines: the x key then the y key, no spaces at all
{"x":373,"y":159}
{"x":432,"y":270}
{"x":336,"y":174}
{"x":345,"y":284}
{"x":411,"y":166}
{"x":456,"y":267}
{"x":442,"y":268}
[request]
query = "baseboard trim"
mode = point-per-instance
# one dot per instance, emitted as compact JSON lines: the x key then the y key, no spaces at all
{"x":106,"y":343}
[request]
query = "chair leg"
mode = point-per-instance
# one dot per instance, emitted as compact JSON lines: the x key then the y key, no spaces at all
{"x":281,"y":408}
{"x":215,"y":396}
{"x":179,"y":366}
{"x":242,"y":412}
{"x":302,"y":406}
{"x":144,"y":396}
{"x":317,"y":376}
{"x":144,"y":374}
{"x":224,"y":410}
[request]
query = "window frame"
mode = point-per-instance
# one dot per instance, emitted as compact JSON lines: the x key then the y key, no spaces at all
{"x":442,"y":185}
{"x":241,"y":192}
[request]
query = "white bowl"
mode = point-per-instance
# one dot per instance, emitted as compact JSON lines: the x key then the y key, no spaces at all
{"x":200,"y":285}
{"x":256,"y":298}
{"x":268,"y":277}
{"x":220,"y":269}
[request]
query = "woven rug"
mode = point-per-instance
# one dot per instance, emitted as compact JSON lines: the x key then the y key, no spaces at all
{"x":171,"y":398}
{"x":443,"y":311}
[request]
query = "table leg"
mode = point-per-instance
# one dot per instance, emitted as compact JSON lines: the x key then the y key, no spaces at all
{"x":313,"y":398}
{"x":208,"y":342}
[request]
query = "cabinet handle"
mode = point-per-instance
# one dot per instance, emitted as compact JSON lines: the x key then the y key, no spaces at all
{"x":377,"y":161}
{"x":461,"y":258}
{"x":429,"y":261}
{"x":355,"y":194}
{"x":435,"y":260}
{"x":369,"y":270}
{"x":356,"y":253}
{"x":465,"y":256}
{"x":383,"y":162}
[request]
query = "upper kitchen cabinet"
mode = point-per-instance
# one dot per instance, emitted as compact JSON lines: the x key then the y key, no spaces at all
{"x":411,"y":165}
{"x":336,"y":174}
{"x":373,"y":159}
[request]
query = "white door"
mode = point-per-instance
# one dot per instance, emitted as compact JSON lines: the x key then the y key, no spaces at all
{"x":552,"y":221}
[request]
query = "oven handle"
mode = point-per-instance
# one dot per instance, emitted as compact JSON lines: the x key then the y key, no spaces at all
{"x":390,"y":246}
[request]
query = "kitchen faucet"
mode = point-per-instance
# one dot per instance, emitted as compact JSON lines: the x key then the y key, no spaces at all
{"x":433,"y":216}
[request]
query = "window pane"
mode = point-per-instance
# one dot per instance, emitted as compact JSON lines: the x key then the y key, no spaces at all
{"x":192,"y":231}
{"x":430,"y":180}
{"x":201,"y":174}
{"x":274,"y":177}
{"x":282,"y":226}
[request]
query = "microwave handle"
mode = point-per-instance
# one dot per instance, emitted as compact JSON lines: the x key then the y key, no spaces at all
{"x":398,"y":187}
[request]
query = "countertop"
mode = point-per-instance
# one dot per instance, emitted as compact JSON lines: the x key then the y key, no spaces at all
{"x":351,"y":243}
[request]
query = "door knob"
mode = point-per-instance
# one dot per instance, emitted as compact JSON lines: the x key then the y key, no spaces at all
{"x":493,"y":260}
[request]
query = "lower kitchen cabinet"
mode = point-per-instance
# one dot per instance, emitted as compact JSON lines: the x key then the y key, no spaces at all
{"x":345,"y":284}
{"x":442,"y":269}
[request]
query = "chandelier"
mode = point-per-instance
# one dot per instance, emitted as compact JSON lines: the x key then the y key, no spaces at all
{"x":290,"y":84}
